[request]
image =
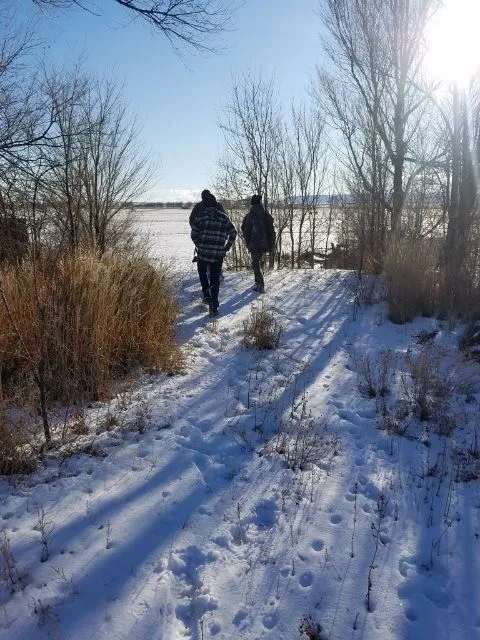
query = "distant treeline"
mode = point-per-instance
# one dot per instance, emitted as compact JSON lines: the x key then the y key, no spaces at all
{"x":160,"y":205}
{"x":319,"y":200}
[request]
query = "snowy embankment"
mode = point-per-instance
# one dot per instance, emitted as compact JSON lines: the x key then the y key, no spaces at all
{"x":192,"y":525}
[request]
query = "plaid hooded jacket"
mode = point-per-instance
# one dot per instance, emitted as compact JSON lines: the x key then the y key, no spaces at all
{"x":213,"y":234}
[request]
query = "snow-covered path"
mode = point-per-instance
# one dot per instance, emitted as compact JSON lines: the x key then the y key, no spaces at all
{"x":197,"y":529}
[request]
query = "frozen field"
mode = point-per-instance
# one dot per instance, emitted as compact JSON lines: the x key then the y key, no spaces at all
{"x":262,"y":495}
{"x":167,"y":232}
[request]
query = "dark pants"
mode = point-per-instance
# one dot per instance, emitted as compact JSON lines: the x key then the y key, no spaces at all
{"x":257,"y":257}
{"x":209,"y":274}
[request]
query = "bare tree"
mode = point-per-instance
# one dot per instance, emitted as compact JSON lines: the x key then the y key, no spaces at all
{"x":231,"y":189}
{"x":252,"y":131}
{"x":190,"y":23}
{"x":25,"y":119}
{"x":287,"y":186}
{"x":114,"y":169}
{"x":64,"y":188}
{"x":96,"y":167}
{"x":309,"y":153}
{"x":377,"y":49}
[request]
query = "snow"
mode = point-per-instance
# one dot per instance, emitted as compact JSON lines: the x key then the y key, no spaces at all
{"x":194,"y":527}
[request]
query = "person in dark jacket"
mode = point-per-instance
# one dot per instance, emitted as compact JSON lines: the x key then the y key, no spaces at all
{"x":213,"y":235}
{"x":259,"y":235}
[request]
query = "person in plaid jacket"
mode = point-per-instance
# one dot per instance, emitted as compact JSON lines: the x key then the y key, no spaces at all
{"x":213,"y":235}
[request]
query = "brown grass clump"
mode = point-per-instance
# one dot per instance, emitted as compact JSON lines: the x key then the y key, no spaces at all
{"x":261,"y":329}
{"x":72,"y":323}
{"x":412,"y":280}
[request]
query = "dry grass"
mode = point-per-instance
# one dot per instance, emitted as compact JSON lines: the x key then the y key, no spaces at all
{"x":310,"y":628}
{"x":375,"y":375}
{"x":10,"y":574}
{"x":301,"y":439}
{"x":430,"y":389}
{"x":16,"y":451}
{"x":76,"y":322}
{"x":412,"y":280}
{"x":261,"y":329}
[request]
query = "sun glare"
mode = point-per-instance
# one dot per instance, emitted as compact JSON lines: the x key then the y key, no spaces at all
{"x":453,"y":42}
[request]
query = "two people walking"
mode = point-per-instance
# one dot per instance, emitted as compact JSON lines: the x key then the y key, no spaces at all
{"x":214,"y":234}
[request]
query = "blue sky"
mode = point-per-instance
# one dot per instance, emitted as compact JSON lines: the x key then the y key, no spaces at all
{"x":180,"y":101}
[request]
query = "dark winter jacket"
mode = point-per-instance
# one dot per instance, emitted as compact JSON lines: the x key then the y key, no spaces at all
{"x":258,"y":230}
{"x":213,"y":234}
{"x":199,"y":207}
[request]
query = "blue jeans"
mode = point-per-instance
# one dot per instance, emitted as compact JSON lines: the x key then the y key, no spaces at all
{"x":209,"y":274}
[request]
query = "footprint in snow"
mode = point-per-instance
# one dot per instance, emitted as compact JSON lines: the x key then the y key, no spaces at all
{"x":222,"y":541}
{"x":239,"y":617}
{"x":306,"y":579}
{"x":370,"y":491}
{"x":411,"y":614}
{"x":195,"y":609}
{"x":266,"y":514}
{"x":204,"y":511}
{"x":270,"y":620}
{"x":405,"y":565}
{"x":355,"y":418}
{"x":336,"y":518}
{"x":385,"y":539}
{"x":318,"y":545}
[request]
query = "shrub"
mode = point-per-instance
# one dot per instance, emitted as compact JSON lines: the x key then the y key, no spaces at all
{"x":412,"y":279}
{"x":71,"y":324}
{"x":261,"y":329}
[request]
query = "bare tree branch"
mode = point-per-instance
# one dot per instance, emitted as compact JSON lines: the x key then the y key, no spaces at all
{"x":185,"y":23}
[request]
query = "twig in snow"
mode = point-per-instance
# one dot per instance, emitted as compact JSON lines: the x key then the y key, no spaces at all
{"x":355,"y":493}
